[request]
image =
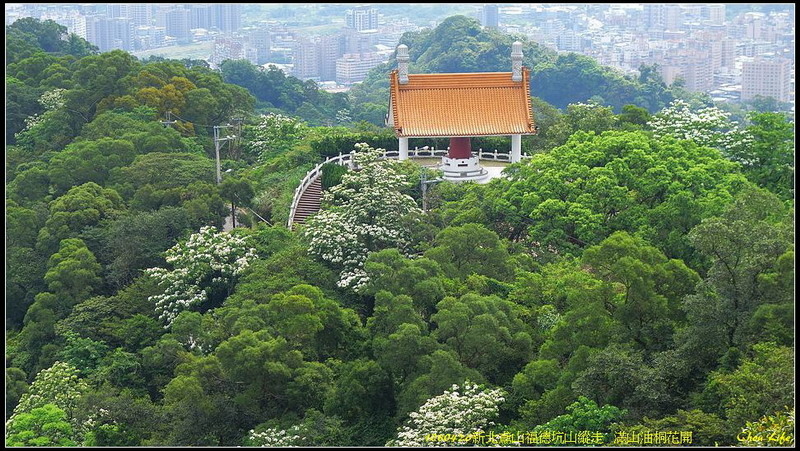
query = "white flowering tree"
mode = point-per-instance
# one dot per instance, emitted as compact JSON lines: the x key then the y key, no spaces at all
{"x":208,"y":262}
{"x":362,"y":214}
{"x":275,"y":133}
{"x":276,"y":438}
{"x":707,"y":126}
{"x":315,"y":429}
{"x":464,"y":411}
{"x":58,"y":385}
{"x":51,"y":101}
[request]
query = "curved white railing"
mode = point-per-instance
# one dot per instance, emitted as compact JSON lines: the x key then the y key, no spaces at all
{"x":345,"y":159}
{"x":312,"y":175}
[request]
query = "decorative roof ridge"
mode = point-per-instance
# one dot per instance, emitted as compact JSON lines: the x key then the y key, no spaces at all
{"x":482,"y":104}
{"x":458,"y":73}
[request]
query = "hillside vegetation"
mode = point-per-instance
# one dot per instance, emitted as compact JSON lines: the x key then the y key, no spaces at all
{"x":635,"y":275}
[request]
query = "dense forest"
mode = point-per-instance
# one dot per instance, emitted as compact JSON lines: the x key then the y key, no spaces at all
{"x":634,"y":276}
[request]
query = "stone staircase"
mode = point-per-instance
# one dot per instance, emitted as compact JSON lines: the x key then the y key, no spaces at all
{"x":309,"y":202}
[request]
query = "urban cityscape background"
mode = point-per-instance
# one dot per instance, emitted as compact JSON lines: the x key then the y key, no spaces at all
{"x":731,"y":51}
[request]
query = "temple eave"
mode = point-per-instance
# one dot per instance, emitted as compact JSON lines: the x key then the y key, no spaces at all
{"x":461,"y":134}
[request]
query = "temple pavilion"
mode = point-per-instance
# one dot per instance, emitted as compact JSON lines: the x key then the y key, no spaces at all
{"x":460,"y":106}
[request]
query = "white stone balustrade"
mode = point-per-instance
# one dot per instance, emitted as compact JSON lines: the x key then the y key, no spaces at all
{"x":346,"y":159}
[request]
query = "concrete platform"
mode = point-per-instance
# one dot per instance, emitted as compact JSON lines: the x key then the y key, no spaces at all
{"x":494,"y":168}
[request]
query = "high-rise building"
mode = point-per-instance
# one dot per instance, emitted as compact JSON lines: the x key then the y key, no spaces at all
{"x":261,"y":42}
{"x":149,"y":37}
{"x":728,"y":53}
{"x":228,"y":16}
{"x":352,"y":68}
{"x":715,"y":54}
{"x":115,"y":10}
{"x":76,"y":24}
{"x":490,"y":16}
{"x":201,"y":15}
{"x":362,"y":18}
{"x":92,"y":9}
{"x":568,"y":41}
{"x":306,"y":60}
{"x":316,"y":58}
{"x":753,"y":26}
{"x":692,"y":12}
{"x":662,"y":17}
{"x":654,"y":15}
{"x":177,"y":24}
{"x":694,"y":67}
{"x":250,"y":53}
{"x":141,"y":14}
{"x":715,"y":14}
{"x":698,"y":74}
{"x":233,"y":48}
{"x":110,"y":33}
{"x":160,"y":13}
{"x":672,"y":17}
{"x":766,"y":77}
{"x":710,"y":43}
{"x":330,"y":48}
{"x":360,"y":41}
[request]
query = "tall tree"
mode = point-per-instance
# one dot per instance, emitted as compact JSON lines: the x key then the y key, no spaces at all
{"x":769,"y":158}
{"x":470,"y":249}
{"x":486,"y":333}
{"x":58,"y":385}
{"x":43,"y":426}
{"x":237,"y":192}
{"x":761,"y":385}
{"x":650,"y":287}
{"x":363,"y":214}
{"x":205,"y":268}
{"x":742,"y":244}
{"x":72,"y":274}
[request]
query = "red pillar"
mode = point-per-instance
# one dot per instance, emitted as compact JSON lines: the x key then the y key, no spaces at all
{"x":460,"y":147}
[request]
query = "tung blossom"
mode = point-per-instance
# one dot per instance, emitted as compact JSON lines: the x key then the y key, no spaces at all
{"x":218,"y":257}
{"x":707,"y":126}
{"x":361,"y":215}
{"x":462,"y":410}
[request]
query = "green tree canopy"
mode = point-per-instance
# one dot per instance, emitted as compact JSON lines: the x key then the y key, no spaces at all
{"x":43,"y":426}
{"x":581,"y":192}
{"x":470,"y":249}
{"x":762,"y":382}
{"x":486,"y":333}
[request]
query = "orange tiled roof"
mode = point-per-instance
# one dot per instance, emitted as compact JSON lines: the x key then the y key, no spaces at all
{"x":478,"y":104}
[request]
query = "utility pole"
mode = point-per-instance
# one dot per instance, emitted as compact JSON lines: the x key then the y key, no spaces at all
{"x":423,"y":178}
{"x":169,"y":120}
{"x":216,"y":150}
{"x":423,"y":183}
{"x":218,"y":142}
{"x":235,"y":148}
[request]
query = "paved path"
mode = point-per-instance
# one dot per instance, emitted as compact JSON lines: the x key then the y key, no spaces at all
{"x":494,"y":172}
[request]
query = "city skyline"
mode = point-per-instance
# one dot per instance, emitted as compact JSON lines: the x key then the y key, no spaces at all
{"x":713,"y":48}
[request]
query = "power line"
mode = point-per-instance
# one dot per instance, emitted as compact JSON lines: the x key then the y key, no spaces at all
{"x":184,"y":120}
{"x":218,"y":141}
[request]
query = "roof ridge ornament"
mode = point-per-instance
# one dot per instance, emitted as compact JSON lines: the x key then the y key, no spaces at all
{"x":402,"y":63}
{"x":516,"y":61}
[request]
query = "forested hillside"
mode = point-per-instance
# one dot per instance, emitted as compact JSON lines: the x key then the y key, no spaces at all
{"x":635,"y":275}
